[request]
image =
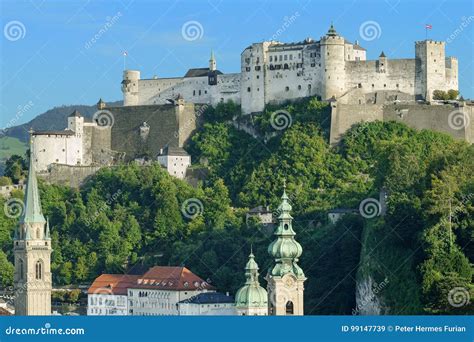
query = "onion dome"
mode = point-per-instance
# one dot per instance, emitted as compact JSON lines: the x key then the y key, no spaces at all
{"x":251,"y":295}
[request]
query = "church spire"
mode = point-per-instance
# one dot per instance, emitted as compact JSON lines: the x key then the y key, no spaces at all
{"x":32,"y":212}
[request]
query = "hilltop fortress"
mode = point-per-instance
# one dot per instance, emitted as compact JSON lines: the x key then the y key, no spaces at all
{"x":332,"y":67}
{"x":161,"y":114}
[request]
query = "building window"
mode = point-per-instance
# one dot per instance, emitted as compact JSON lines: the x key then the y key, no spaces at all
{"x":287,"y":88}
{"x":299,"y":87}
{"x":22,"y":270}
{"x":271,"y":58}
{"x":38,"y":233}
{"x":248,"y":89}
{"x":194,"y":92}
{"x":289,"y":308}
{"x":257,"y":68}
{"x":39,"y":269}
{"x":359,"y":85}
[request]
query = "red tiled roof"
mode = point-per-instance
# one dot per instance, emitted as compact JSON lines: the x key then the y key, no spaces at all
{"x":116,"y":284}
{"x":171,"y":278}
{"x":158,"y":277}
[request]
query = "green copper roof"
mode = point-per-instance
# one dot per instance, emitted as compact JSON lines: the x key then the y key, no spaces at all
{"x":285,"y":249}
{"x":332,"y":31}
{"x":32,"y":213}
{"x":251,"y":294}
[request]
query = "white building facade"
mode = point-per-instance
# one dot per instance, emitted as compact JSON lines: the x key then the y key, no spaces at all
{"x":274,"y":72}
{"x":175,"y":160}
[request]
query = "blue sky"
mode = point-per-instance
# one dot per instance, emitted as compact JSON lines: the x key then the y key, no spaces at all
{"x":48,"y":57}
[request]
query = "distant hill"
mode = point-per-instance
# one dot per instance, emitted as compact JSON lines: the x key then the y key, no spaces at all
{"x":53,"y":119}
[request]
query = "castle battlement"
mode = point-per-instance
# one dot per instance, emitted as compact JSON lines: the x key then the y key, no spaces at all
{"x":273,"y":72}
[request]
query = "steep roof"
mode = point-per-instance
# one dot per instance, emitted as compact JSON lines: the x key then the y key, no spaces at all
{"x":199,"y":72}
{"x":75,"y":113}
{"x":32,"y":212}
{"x":174,"y":151}
{"x":209,"y":298}
{"x":116,"y":284}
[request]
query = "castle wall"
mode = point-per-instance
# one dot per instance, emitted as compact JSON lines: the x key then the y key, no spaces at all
{"x":439,"y":118}
{"x":166,"y":127}
{"x":344,"y":116}
{"x":399,"y":75}
{"x":73,"y":176}
{"x":56,"y":148}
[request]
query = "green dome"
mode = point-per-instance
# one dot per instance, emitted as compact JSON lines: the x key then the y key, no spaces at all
{"x":285,"y":249}
{"x":251,"y":295}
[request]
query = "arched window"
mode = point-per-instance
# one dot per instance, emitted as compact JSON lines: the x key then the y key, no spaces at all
{"x":38,"y":233}
{"x":39,"y":269}
{"x":289,"y":308}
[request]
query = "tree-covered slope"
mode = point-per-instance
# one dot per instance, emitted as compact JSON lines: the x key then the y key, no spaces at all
{"x":407,"y":262}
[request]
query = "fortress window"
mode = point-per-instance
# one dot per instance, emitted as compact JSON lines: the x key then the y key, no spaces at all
{"x":205,"y":91}
{"x":271,"y":58}
{"x":286,"y":57}
{"x":257,"y":68}
{"x":398,"y":85}
{"x":194,"y":92}
{"x":291,"y":57}
{"x":64,"y":150}
{"x":280,"y":58}
{"x":435,"y":60}
{"x":285,"y":66}
{"x":258,"y":76}
{"x":313,"y":64}
{"x":258,"y":89}
{"x":359,"y":85}
{"x":57,"y":160}
{"x":199,"y":93}
{"x":299,"y":55}
{"x":373,"y":85}
{"x":299,"y":87}
{"x":247,"y":69}
{"x":385,"y":86}
{"x":248,"y":89}
{"x":287,"y":88}
{"x":309,"y":86}
{"x":247,"y":60}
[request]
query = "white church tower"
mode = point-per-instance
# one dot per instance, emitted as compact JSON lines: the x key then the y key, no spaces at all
{"x":285,"y":278}
{"x":32,"y":252}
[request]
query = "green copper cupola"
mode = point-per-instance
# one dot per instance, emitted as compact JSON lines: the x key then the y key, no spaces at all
{"x":251,"y":295}
{"x":285,"y":249}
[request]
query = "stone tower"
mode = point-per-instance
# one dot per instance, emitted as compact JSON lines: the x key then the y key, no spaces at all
{"x":285,"y":279}
{"x":32,"y":253}
{"x":130,"y":87}
{"x":75,"y":122}
{"x":212,"y":62}
{"x":332,"y":64}
{"x":430,"y":68}
{"x":251,"y":299}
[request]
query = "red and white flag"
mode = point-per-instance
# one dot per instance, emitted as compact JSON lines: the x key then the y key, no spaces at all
{"x":428,"y":26}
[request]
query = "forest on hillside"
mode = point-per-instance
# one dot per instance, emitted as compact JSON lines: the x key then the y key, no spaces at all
{"x":129,"y":217}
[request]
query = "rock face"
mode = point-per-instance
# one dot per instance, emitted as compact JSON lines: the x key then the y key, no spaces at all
{"x":369,"y":300}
